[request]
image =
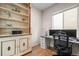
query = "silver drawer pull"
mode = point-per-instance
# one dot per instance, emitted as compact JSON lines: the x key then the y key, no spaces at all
{"x":9,"y":48}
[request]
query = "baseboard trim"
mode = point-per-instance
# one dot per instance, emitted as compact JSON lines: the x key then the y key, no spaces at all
{"x":35,"y":45}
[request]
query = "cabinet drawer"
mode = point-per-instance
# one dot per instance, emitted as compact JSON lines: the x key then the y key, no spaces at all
{"x":42,"y":41}
{"x":43,"y":46}
{"x":8,"y":47}
{"x":23,"y":44}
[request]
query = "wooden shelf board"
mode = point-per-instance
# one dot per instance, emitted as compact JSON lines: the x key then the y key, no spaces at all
{"x":11,"y":28}
{"x":14,"y":12}
{"x":9,"y":19}
{"x":21,"y":6}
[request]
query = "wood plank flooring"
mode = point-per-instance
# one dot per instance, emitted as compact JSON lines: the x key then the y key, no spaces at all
{"x":37,"y":51}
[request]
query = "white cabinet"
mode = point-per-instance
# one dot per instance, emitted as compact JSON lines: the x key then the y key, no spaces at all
{"x":19,"y":45}
{"x":8,"y":47}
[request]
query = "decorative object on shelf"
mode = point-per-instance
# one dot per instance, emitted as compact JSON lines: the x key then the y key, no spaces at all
{"x":16,"y":32}
{"x":17,"y":10}
{"x":10,"y":25}
{"x":14,"y":9}
{"x":23,"y":19}
{"x":8,"y":13}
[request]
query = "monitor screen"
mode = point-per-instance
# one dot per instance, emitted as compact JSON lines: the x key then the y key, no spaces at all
{"x":71,"y":33}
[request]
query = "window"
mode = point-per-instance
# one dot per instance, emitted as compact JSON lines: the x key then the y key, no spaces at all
{"x":70,"y":19}
{"x":65,"y":20}
{"x":57,"y":21}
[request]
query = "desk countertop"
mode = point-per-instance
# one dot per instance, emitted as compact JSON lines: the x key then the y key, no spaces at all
{"x":71,"y":39}
{"x":50,"y":37}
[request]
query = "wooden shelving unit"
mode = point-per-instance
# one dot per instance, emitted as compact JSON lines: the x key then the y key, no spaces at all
{"x":16,"y":18}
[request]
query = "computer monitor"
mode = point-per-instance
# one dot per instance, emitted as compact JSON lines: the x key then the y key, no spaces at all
{"x":69,"y":32}
{"x":51,"y":32}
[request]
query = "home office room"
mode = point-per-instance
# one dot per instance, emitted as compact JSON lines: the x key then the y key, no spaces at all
{"x":39,"y":29}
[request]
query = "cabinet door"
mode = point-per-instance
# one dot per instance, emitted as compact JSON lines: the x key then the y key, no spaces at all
{"x":29,"y":42}
{"x":8,"y":47}
{"x":0,"y":48}
{"x":23,"y":44}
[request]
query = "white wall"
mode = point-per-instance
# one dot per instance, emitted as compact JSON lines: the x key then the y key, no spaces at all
{"x":35,"y":25}
{"x":47,"y":14}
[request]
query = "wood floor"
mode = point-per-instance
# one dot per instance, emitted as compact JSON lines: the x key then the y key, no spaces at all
{"x":37,"y":51}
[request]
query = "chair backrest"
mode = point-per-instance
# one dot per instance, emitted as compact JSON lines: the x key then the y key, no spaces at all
{"x":63,"y":41}
{"x":60,"y":38}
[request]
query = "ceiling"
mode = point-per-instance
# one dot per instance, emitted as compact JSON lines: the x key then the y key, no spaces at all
{"x":42,"y":6}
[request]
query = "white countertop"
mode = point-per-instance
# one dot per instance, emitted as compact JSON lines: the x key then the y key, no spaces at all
{"x":71,"y":39}
{"x":51,"y":37}
{"x":9,"y":35}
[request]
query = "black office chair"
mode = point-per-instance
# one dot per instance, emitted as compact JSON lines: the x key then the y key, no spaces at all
{"x":62,"y":45}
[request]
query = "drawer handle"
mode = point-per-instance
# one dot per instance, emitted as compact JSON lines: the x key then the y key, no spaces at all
{"x":9,"y":48}
{"x":23,"y":44}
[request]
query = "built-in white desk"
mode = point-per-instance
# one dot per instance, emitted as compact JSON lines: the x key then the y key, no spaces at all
{"x":71,"y":39}
{"x":74,"y":41}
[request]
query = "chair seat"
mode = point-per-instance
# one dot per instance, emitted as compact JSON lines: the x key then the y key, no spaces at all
{"x":63,"y":50}
{"x":61,"y":46}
